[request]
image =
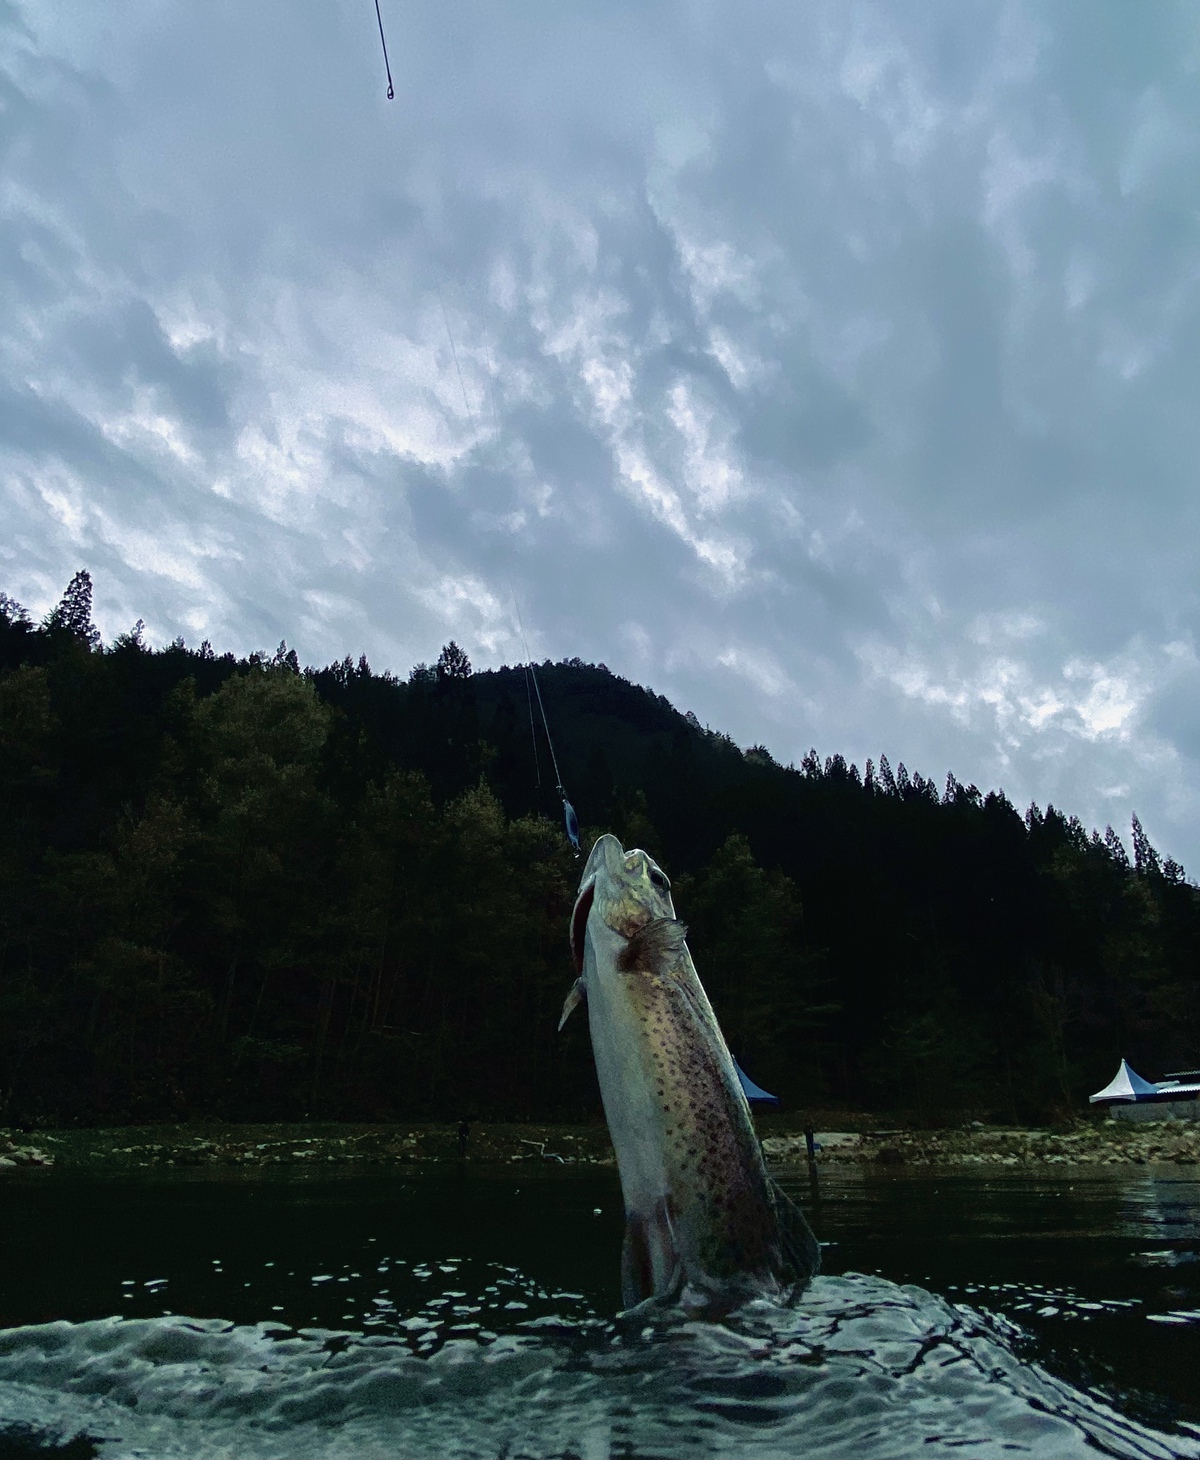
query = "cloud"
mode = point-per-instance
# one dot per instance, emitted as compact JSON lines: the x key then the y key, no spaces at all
{"x":831,"y":368}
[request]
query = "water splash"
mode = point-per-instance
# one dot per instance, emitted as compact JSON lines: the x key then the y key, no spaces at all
{"x":860,"y":1366}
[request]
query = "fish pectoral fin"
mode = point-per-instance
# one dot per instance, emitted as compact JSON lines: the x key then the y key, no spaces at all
{"x":651,"y":1266}
{"x":576,"y":997}
{"x":655,"y":947}
{"x":800,"y":1250}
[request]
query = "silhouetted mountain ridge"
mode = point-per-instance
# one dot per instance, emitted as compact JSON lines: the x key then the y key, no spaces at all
{"x":241,"y":888}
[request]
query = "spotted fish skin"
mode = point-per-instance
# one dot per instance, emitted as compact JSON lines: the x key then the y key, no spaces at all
{"x":704,"y":1223}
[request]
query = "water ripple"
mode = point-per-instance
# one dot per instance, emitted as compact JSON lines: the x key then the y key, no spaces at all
{"x":860,"y":1365}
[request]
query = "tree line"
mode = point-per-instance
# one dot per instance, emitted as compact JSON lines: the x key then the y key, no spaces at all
{"x":244,"y":889}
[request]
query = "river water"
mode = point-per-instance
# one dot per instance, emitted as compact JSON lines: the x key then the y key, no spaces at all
{"x":472,"y":1312}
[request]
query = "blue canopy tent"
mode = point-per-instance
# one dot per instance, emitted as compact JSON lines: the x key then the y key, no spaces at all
{"x":754,"y":1093}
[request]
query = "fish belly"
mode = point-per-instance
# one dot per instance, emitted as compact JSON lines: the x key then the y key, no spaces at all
{"x":698,"y":1214}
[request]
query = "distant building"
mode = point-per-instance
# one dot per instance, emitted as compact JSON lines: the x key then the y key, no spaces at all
{"x":1130,"y":1097}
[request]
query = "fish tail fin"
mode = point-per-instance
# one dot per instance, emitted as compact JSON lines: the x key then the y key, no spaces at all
{"x":800,"y":1250}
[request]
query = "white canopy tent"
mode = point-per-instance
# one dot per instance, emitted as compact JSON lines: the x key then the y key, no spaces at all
{"x":1126,"y":1084}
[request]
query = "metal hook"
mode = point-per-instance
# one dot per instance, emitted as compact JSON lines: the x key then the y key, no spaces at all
{"x":391,"y":91}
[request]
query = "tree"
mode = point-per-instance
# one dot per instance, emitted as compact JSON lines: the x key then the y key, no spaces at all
{"x":453,"y":663}
{"x":74,"y":611}
{"x":12,"y":611}
{"x":241,"y":889}
{"x":767,"y":987}
{"x":285,"y":658}
{"x":1145,"y":858}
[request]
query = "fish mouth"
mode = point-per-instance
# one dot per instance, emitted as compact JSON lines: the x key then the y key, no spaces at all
{"x":583,"y":906}
{"x":606,"y":860}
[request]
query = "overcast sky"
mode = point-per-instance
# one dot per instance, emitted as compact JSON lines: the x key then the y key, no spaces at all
{"x":832,"y":368}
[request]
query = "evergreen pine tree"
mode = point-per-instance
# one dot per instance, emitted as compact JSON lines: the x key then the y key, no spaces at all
{"x":453,"y":663}
{"x":1116,"y":848}
{"x":13,"y":611}
{"x":1145,"y":858}
{"x":74,"y":611}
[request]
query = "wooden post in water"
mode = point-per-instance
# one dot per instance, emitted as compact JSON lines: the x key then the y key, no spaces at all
{"x":810,"y":1143}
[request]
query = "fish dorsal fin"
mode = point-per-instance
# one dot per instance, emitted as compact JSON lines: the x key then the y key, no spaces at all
{"x":575,"y":997}
{"x":800,"y":1250}
{"x":655,"y":947}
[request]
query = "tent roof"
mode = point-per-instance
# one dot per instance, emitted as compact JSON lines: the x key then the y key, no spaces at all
{"x":754,"y":1093}
{"x":1126,"y":1084}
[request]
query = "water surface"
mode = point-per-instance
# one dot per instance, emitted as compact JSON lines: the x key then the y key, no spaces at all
{"x":470,"y":1312}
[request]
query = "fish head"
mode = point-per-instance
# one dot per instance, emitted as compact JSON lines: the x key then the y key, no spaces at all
{"x":620,"y":893}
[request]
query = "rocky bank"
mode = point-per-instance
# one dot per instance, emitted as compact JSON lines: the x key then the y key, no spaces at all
{"x":415,"y":1144}
{"x":1092,"y":1143}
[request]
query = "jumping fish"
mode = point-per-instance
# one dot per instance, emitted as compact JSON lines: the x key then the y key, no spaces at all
{"x":704,"y":1223}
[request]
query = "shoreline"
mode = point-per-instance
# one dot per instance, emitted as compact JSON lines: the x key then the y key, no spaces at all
{"x":415,"y":1144}
{"x":1109,"y":1143}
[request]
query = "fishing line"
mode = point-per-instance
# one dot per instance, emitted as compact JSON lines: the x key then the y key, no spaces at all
{"x":570,"y":820}
{"x":553,"y":758}
{"x":537,"y":764}
{"x":529,"y":669}
{"x":487,"y":355}
{"x":391,"y":91}
{"x":458,"y":368}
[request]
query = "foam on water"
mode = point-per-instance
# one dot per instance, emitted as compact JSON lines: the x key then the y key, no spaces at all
{"x":860,"y":1366}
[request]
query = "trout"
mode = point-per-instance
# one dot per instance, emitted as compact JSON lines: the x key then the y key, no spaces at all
{"x":704,"y":1223}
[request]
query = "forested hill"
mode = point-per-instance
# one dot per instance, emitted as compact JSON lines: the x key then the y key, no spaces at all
{"x":244,"y":889}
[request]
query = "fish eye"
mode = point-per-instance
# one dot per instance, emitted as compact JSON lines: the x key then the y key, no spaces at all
{"x":658,"y":879}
